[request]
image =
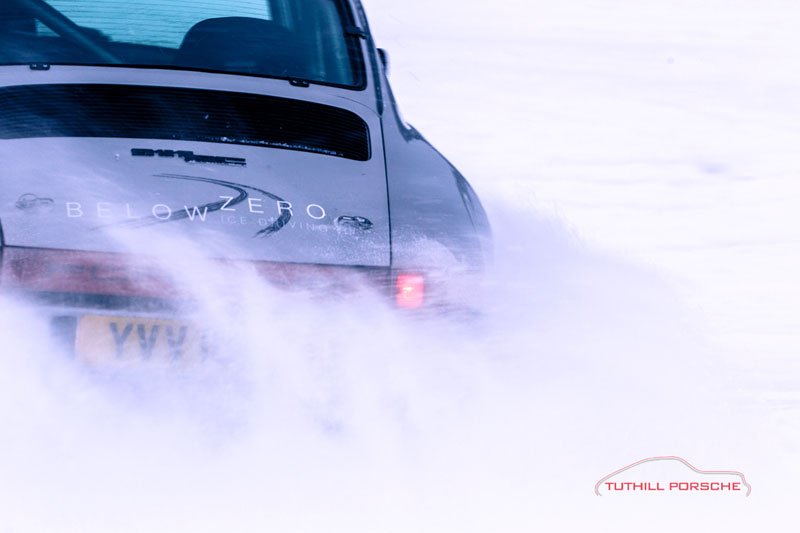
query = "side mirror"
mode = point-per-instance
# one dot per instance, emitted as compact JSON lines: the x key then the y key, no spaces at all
{"x":384,"y":57}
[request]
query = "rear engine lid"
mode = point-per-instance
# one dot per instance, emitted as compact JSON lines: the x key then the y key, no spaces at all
{"x":246,"y":177}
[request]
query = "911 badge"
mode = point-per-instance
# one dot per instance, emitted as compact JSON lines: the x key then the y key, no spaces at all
{"x":189,"y":156}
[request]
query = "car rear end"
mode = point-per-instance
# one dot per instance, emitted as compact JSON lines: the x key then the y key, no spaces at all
{"x":92,"y":193}
{"x":250,"y":131}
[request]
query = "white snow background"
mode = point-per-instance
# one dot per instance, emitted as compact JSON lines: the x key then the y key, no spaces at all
{"x":638,"y":163}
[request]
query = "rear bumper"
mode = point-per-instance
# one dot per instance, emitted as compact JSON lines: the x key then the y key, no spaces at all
{"x":67,"y":287}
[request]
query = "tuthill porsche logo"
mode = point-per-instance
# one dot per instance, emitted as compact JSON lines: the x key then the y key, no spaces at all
{"x":671,"y":474}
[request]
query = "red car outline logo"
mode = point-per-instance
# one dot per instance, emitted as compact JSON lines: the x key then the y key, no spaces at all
{"x":673,"y":458}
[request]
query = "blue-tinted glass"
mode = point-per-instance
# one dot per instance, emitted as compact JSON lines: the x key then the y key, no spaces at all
{"x":281,"y":38}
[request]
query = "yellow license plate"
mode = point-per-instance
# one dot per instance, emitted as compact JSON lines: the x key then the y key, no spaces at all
{"x":107,"y":339}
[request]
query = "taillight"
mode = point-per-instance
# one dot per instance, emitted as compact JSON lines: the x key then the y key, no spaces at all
{"x":410,"y":291}
{"x":97,"y":273}
{"x":69,"y":271}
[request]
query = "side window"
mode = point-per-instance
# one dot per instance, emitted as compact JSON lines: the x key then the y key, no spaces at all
{"x":153,"y":22}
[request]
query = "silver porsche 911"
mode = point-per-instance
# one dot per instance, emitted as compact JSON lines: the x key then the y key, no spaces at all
{"x":267,"y":124}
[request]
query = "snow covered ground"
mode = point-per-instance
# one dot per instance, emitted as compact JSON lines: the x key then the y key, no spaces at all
{"x":637,"y":160}
{"x":663,"y":131}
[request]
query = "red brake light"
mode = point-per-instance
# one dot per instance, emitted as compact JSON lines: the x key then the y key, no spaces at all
{"x":410,"y":291}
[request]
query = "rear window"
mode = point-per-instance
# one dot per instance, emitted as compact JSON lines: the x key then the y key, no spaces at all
{"x":293,"y":39}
